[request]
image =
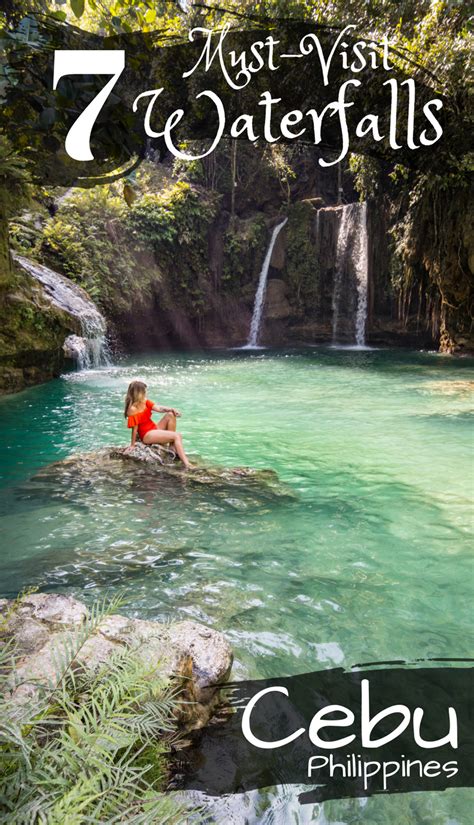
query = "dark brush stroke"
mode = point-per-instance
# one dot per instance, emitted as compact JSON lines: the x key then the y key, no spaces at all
{"x":221,"y":760}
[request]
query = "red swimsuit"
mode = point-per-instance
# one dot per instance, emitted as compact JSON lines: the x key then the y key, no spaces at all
{"x":143,"y":420}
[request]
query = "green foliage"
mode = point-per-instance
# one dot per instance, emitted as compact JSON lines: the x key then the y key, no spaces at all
{"x":280,"y":157}
{"x":122,"y":253}
{"x":243,"y":251}
{"x":301,"y":265}
{"x":177,"y":214}
{"x":89,"y":746}
{"x":367,"y":176}
{"x":14,"y":179}
{"x":273,"y":165}
{"x":86,"y":240}
{"x":125,"y":16}
{"x":24,"y":237}
{"x":175,"y":224}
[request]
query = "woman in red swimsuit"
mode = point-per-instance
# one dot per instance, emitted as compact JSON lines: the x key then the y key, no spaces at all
{"x":138,"y":411}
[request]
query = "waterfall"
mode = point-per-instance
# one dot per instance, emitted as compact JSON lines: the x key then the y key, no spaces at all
{"x":341,"y":258}
{"x":90,"y":348}
{"x":261,"y":289}
{"x":317,"y":241}
{"x":361,"y":261}
{"x":317,"y":232}
{"x":349,"y":300}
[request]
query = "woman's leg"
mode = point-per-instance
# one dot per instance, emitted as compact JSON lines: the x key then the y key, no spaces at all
{"x":168,"y":422}
{"x":168,"y":437}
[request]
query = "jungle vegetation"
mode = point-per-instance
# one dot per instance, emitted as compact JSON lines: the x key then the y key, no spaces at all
{"x":167,"y":206}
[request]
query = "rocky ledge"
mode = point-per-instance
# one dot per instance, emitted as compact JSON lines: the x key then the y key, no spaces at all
{"x":197,"y":657}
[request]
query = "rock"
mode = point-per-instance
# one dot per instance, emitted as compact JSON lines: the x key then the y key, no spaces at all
{"x":147,"y":455}
{"x":57,"y":612}
{"x":75,"y":348}
{"x":234,"y":486}
{"x":197,"y":656}
{"x":316,"y":203}
{"x":277,"y":305}
{"x":32,"y":332}
{"x":209,"y":652}
{"x":278,"y":258}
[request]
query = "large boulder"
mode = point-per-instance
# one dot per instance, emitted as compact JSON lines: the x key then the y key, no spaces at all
{"x":197,"y":657}
{"x":75,"y":348}
{"x":140,"y":465}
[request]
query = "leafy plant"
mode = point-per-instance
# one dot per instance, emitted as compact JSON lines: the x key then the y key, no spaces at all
{"x":87,"y":241}
{"x":303,"y":271}
{"x":14,"y":176}
{"x":173,"y":214}
{"x":243,"y":242}
{"x":90,"y":746}
{"x":174,"y":223}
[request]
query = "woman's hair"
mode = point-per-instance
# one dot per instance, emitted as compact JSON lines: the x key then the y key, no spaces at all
{"x":135,"y":390}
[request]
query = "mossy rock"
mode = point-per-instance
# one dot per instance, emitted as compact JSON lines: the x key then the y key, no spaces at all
{"x":32,"y":333}
{"x":301,"y":265}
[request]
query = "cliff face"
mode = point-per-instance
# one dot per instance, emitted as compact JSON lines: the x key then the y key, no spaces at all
{"x":436,"y":251}
{"x":303,"y":285}
{"x":32,"y":331}
{"x":419,"y":295}
{"x":418,"y":267}
{"x":47,"y":323}
{"x":179,"y":267}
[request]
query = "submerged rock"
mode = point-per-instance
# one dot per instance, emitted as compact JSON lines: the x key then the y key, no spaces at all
{"x":40,"y":624}
{"x":465,"y":387}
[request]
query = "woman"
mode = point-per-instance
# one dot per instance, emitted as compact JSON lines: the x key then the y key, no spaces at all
{"x":138,"y":411}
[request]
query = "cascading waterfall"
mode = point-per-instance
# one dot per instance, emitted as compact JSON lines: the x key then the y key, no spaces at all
{"x":351,"y":276}
{"x":341,"y":259}
{"x":262,"y":288}
{"x":90,"y":348}
{"x":361,"y":262}
{"x":317,"y":231}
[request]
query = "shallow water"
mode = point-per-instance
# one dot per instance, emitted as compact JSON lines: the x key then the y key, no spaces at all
{"x":367,"y":560}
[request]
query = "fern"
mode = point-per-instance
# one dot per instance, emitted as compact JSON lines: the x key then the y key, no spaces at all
{"x":90,"y":747}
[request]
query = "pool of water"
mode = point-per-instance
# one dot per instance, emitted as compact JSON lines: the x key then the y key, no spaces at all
{"x":367,"y":559}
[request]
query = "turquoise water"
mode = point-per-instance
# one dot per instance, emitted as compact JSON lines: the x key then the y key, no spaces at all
{"x":368,"y":558}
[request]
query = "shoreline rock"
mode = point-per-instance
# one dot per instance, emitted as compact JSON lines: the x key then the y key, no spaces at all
{"x":195,"y":656}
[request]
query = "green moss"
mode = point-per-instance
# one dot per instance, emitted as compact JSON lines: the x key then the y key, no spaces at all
{"x":302,"y":266}
{"x":244,"y":244}
{"x":32,"y":333}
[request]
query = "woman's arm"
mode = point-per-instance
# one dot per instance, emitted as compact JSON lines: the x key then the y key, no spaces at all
{"x":159,"y":409}
{"x":134,"y":437}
